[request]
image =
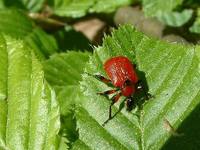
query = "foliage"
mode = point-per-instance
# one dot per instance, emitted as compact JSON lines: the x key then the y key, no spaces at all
{"x":79,"y":8}
{"x":29,"y":116}
{"x":67,"y":67}
{"x":67,"y":8}
{"x":20,"y":26}
{"x":48,"y":97}
{"x":152,"y":7}
{"x":196,"y":26}
{"x":173,"y":13}
{"x":69,"y":35}
{"x":173,"y":77}
{"x":175,"y":19}
{"x":31,"y":5}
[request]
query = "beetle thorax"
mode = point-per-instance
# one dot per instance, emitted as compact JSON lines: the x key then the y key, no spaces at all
{"x":128,"y":90}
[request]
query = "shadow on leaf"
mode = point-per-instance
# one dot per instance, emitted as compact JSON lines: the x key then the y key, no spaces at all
{"x":190,"y":129}
{"x":69,"y":39}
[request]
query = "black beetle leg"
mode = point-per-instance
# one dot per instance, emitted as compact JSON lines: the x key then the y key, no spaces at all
{"x":102,"y":79}
{"x":105,"y":93}
{"x":129,"y":103}
{"x":114,"y":100}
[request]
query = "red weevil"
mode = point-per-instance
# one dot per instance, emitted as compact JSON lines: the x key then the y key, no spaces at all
{"x":122,"y":75}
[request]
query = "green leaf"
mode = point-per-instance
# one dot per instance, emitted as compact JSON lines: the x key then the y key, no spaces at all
{"x":44,"y":45}
{"x":67,"y":68}
{"x":67,"y":40}
{"x":29,"y":115}
{"x":62,"y":144}
{"x":66,"y":97}
{"x":20,"y":26}
{"x":175,"y":19}
{"x":80,"y":145}
{"x":80,"y":8}
{"x":17,"y":25}
{"x":109,"y":6}
{"x":152,"y":7}
{"x":195,"y":28}
{"x":173,"y":77}
{"x":2,"y":5}
{"x":3,"y":90}
{"x":31,"y":5}
{"x":71,"y":8}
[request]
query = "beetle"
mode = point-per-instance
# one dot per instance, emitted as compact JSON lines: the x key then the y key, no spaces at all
{"x":123,"y":77}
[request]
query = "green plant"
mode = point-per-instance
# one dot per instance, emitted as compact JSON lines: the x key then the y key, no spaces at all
{"x":29,"y":110}
{"x":172,"y":73}
{"x":174,"y":13}
{"x":173,"y":78}
{"x":48,"y":101}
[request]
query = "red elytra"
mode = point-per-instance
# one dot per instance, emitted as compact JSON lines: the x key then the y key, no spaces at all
{"x":120,"y":69}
